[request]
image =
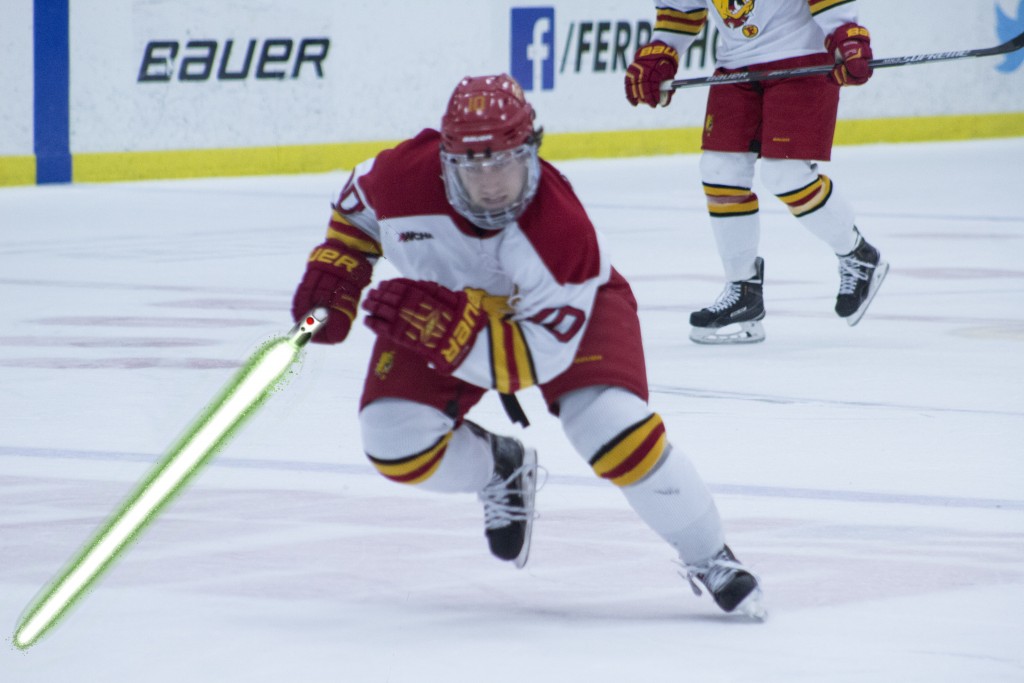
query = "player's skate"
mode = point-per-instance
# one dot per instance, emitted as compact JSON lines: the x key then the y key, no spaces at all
{"x":733,"y":588}
{"x":860,"y":275}
{"x":735,"y":317}
{"x":509,"y":497}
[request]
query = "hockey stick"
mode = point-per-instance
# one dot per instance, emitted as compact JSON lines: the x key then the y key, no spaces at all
{"x":1011,"y":45}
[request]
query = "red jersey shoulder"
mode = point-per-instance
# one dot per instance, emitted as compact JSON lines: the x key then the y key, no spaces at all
{"x":406,"y":179}
{"x":560,"y":230}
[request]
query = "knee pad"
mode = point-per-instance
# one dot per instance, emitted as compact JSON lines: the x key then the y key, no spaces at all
{"x":735,"y":169}
{"x":416,"y":468}
{"x":797,"y":183}
{"x":728,"y":178}
{"x":409,"y":455}
{"x":593,"y":416}
{"x":615,"y":431}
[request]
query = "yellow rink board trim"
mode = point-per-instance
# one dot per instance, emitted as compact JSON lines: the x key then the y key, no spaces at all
{"x":199,"y":163}
{"x":854,"y":132}
{"x":930,"y":129}
{"x":17,"y":170}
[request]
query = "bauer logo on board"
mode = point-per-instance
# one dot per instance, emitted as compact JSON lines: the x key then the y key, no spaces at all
{"x":229,"y":60}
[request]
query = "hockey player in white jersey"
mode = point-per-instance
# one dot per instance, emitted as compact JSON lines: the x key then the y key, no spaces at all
{"x":789,"y":124}
{"x":505,"y":285}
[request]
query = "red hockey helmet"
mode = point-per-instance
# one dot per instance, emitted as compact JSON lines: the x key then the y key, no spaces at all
{"x":487,"y":114}
{"x":489,"y":150}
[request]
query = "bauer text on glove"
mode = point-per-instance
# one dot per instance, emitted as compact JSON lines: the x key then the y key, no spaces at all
{"x":652,"y":64}
{"x":438,"y":324}
{"x":335,"y":277}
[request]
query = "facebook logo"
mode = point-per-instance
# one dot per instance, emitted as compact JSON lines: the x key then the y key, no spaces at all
{"x":533,"y":47}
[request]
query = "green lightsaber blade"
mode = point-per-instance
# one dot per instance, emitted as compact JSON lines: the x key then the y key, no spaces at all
{"x":236,"y":402}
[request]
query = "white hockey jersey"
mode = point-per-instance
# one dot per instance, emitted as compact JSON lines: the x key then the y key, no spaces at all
{"x":753,"y":31}
{"x":543,"y":270}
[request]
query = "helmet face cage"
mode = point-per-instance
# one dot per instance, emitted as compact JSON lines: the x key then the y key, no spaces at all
{"x":489,"y":150}
{"x":491,"y":191}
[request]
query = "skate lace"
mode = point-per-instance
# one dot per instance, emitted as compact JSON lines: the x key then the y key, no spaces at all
{"x":850,"y":271}
{"x":498,"y":511}
{"x":729,"y":296}
{"x":714,"y":574}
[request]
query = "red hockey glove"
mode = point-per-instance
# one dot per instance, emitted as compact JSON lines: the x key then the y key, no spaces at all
{"x":851,"y":45}
{"x":652,"y":64}
{"x":335,"y":278}
{"x":438,"y":324}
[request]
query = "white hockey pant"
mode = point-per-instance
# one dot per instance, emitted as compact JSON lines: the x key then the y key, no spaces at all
{"x":813,"y":199}
{"x":733,"y":206}
{"x":735,"y":222}
{"x":611,"y":428}
{"x":624,"y":442}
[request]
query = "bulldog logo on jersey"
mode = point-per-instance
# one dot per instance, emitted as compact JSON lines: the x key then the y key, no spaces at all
{"x":735,"y":14}
{"x":384,"y":365}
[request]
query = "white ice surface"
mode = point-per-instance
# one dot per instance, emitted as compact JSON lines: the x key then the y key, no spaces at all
{"x":873,"y":476}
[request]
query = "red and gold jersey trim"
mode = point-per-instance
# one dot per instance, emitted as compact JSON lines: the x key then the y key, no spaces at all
{"x":342,"y":230}
{"x":511,"y":361}
{"x":633,"y":454}
{"x":416,"y":468}
{"x":674,"y":21}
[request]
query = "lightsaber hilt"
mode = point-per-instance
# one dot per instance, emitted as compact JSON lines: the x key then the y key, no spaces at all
{"x":310,"y":324}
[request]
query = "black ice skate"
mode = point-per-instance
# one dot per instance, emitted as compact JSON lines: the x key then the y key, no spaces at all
{"x":733,"y":588}
{"x":509,"y":497}
{"x":735,"y":317}
{"x":860,"y":275}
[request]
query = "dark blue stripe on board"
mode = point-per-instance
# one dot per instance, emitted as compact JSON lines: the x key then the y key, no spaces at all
{"x":52,"y":84}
